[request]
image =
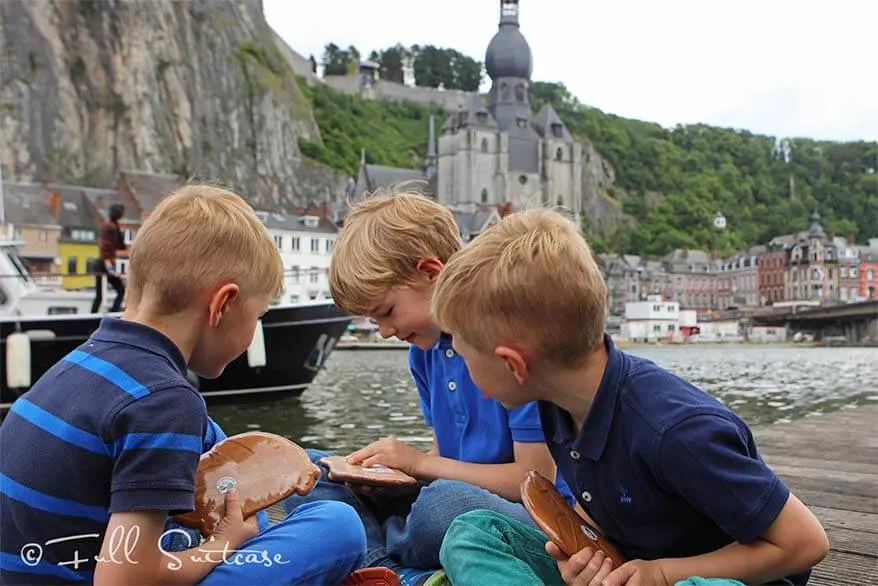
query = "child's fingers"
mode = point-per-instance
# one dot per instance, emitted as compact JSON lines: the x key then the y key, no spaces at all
{"x":363,"y":453}
{"x":233,"y":508}
{"x":555,"y":551}
{"x":372,"y":460}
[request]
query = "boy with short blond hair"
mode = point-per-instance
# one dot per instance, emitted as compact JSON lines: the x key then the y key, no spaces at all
{"x":388,"y":255}
{"x":104,"y":447}
{"x":670,"y":474}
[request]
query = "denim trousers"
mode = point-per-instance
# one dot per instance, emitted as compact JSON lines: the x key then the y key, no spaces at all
{"x":408,"y":532}
{"x":320,"y":543}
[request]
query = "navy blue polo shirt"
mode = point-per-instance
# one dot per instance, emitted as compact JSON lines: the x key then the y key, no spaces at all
{"x":664,"y":469}
{"x":113,"y":426}
{"x":469,"y":427}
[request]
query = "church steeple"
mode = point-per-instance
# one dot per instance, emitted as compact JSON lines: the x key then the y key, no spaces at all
{"x":509,"y":12}
{"x":509,"y":63}
{"x":431,"y":150}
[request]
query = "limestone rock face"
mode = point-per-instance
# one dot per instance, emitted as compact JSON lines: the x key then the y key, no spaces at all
{"x":197,"y":88}
{"x":602,"y":210}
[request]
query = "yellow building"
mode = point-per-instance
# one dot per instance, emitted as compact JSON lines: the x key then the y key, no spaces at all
{"x":74,"y":255}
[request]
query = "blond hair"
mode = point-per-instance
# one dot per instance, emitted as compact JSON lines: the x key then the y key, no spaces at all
{"x":382,"y":240}
{"x":196,"y":238}
{"x":529,"y":279}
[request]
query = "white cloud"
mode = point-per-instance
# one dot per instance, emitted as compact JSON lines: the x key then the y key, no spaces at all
{"x":779,"y":67}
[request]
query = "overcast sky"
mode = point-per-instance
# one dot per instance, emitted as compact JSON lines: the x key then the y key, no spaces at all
{"x":773,"y":67}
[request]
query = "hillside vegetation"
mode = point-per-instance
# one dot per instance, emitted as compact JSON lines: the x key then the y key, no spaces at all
{"x":670,"y":182}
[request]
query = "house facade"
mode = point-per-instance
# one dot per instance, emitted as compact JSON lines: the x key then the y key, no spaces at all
{"x":305,"y":244}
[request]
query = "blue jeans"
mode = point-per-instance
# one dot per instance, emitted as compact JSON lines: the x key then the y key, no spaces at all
{"x":320,"y":543}
{"x":414,"y":539}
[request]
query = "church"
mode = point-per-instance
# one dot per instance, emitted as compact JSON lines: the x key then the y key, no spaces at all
{"x":496,"y":152}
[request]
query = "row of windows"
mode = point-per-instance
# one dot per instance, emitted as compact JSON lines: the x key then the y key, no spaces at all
{"x":486,"y":196}
{"x":296,"y":273}
{"x":296,"y":244}
{"x":559,"y":154}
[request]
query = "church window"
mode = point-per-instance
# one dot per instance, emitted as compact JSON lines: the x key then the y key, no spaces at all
{"x":560,"y":200}
{"x":484,"y":145}
{"x":522,"y":179}
{"x":461,"y":118}
{"x":482,"y":117}
{"x":557,"y":129}
{"x":522,"y":122}
{"x":559,"y":154}
{"x":484,"y":196}
{"x":519,"y":93}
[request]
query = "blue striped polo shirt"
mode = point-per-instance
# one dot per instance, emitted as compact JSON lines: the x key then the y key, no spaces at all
{"x":113,"y":426}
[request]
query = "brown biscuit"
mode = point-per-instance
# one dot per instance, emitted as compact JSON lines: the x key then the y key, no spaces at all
{"x":560,"y":522}
{"x":264,"y":468}
{"x":341,"y":471}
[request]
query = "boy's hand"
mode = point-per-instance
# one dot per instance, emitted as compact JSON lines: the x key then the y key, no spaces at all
{"x":586,"y":567}
{"x":233,"y":528}
{"x":392,"y":453}
{"x":637,"y":573}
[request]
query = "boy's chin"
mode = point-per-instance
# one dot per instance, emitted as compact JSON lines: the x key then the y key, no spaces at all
{"x":425,"y":342}
{"x":209,"y":373}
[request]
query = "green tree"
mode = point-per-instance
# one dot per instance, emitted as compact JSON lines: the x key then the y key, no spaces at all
{"x":466,"y":72}
{"x":432,"y":67}
{"x":334,"y":60}
{"x":392,"y":62}
{"x":338,"y":61}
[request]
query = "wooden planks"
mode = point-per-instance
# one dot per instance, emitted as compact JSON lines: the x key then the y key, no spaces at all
{"x":831,"y":464}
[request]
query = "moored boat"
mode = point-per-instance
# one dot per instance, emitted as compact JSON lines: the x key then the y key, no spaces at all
{"x":38,"y":327}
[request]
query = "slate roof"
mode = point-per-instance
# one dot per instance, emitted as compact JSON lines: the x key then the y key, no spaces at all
{"x":275,"y":221}
{"x":149,"y":189}
{"x":27,"y":204}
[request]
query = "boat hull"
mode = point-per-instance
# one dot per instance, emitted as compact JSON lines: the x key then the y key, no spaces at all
{"x":297,"y":341}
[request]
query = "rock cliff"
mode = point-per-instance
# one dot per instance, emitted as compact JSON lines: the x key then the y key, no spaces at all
{"x":196,"y":88}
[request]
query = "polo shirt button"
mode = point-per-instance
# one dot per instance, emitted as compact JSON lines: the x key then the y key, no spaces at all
{"x":449,"y":353}
{"x":452,"y":386}
{"x":574,"y":454}
{"x":586,"y":496}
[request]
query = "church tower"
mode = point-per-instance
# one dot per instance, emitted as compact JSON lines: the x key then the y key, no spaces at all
{"x":500,"y":152}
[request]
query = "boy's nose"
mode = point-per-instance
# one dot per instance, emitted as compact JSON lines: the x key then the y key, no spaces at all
{"x":386,"y":331}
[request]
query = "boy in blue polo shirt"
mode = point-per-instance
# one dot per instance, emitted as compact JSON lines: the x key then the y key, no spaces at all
{"x":670,"y":475}
{"x":104,"y":447}
{"x":385,"y":261}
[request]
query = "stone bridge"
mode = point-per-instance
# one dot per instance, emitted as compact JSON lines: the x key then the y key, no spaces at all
{"x":856,"y":322}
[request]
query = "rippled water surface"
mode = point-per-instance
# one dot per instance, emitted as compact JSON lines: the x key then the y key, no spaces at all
{"x":362,"y":396}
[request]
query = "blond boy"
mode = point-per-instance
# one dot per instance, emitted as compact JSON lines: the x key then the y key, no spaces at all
{"x":104,"y":447}
{"x":669,"y":474}
{"x":392,"y":248}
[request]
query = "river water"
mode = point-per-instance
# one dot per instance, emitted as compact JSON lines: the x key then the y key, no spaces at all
{"x":365,"y":395}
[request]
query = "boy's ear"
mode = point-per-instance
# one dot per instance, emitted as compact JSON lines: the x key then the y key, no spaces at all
{"x":220,"y":301}
{"x":430,"y":268}
{"x":515,"y":363}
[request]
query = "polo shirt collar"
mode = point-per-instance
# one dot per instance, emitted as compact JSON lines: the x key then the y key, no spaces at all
{"x":117,"y":330}
{"x":592,"y":438}
{"x":444,"y":342}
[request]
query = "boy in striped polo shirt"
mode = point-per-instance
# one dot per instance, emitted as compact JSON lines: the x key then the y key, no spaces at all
{"x":105,"y":446}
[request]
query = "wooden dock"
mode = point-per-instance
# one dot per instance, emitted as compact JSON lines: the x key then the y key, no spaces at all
{"x":831,"y":463}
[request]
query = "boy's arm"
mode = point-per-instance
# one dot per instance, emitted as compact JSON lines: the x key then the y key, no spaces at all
{"x":131,"y":553}
{"x":530,"y":450}
{"x":501,"y":479}
{"x":795,"y":541}
{"x":157,"y":442}
{"x":712,"y":463}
